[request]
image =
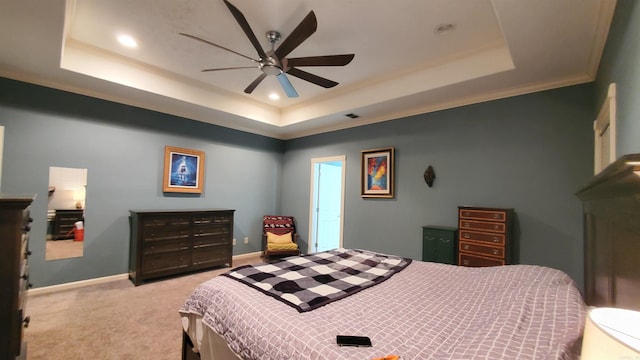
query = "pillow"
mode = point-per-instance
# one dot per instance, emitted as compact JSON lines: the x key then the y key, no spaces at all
{"x":282,"y":247}
{"x":279,"y":239}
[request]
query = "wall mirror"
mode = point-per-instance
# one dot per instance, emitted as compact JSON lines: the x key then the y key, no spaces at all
{"x":65,"y":213}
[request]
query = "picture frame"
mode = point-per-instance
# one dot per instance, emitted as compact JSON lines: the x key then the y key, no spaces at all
{"x":377,"y":173}
{"x":183,"y":170}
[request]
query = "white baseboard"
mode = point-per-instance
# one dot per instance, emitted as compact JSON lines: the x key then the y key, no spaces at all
{"x":106,"y":279}
{"x":247,"y":255}
{"x":76,"y":284}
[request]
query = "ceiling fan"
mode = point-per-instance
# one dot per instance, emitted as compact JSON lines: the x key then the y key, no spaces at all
{"x":274,"y":62}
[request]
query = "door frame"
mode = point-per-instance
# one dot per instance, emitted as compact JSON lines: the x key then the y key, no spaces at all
{"x":604,"y":131}
{"x":312,"y":213}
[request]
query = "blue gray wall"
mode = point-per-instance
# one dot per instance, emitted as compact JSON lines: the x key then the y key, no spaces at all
{"x":123,"y":147}
{"x":531,"y":153}
{"x":620,"y":64}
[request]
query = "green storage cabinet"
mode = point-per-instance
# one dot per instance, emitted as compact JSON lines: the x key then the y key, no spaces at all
{"x":439,"y":244}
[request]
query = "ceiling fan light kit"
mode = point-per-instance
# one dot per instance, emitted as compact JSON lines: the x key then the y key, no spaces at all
{"x":275,"y":62}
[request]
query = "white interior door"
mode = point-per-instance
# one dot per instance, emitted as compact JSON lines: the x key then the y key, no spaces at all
{"x":327,"y":203}
{"x":604,"y":128}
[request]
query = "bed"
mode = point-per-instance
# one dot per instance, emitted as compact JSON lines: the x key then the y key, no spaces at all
{"x":437,"y":311}
{"x":422,"y":311}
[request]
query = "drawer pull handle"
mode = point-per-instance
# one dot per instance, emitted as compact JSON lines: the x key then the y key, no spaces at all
{"x":496,"y":239}
{"x":496,"y":227}
{"x":445,"y":240}
{"x":466,"y":236}
{"x":497,"y":216}
{"x":466,"y":247}
{"x":26,"y":321}
{"x":465,"y":262}
{"x":495,"y":251}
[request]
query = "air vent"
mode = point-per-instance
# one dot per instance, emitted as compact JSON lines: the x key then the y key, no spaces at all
{"x":352,"y":115}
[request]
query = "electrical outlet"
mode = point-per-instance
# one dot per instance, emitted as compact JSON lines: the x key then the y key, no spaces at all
{"x":246,"y":240}
{"x":234,"y":242}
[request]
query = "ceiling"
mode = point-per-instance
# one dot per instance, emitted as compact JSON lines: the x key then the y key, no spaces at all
{"x":403,"y":66}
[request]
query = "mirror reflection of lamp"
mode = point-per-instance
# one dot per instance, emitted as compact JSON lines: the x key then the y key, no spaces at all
{"x":78,"y":197}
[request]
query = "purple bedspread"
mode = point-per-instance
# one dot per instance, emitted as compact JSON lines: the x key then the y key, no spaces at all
{"x":426,"y":311}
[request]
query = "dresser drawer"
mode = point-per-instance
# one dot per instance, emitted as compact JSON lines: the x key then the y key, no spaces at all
{"x":18,"y":332}
{"x":478,"y":261}
{"x":23,"y":287}
{"x":217,"y":235}
{"x":159,"y":222}
{"x":481,"y":249}
{"x":24,"y":245}
{"x":167,"y":262}
{"x":159,"y":247}
{"x":158,"y":235}
{"x":482,"y":225}
{"x":486,"y":215}
{"x":211,"y":219}
{"x":208,"y":256}
{"x":496,"y":239}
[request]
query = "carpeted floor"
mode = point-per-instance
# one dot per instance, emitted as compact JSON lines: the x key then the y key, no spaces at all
{"x":63,"y":249}
{"x":115,"y":320}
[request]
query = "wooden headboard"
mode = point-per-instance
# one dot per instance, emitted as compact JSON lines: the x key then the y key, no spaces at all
{"x":611,"y":203}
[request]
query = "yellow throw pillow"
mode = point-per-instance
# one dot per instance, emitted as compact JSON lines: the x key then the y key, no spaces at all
{"x":279,"y":239}
{"x":282,"y":247}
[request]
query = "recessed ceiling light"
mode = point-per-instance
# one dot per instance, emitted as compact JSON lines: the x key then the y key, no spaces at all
{"x":274,"y":96}
{"x":127,"y":41}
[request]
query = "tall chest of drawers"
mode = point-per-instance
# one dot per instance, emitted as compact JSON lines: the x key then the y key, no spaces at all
{"x":484,"y":236}
{"x":172,"y":242}
{"x":15,"y":224}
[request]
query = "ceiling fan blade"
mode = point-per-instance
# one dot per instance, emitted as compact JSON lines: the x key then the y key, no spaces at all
{"x":244,"y":24}
{"x":230,"y":68}
{"x":286,"y":85}
{"x":320,"y":81}
{"x":326,"y":60}
{"x":216,"y":45}
{"x":255,"y":83}
{"x":307,"y":26}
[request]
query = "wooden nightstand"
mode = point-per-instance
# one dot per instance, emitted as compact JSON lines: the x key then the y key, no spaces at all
{"x":439,"y":244}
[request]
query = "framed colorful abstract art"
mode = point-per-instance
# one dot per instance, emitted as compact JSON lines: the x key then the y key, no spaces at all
{"x":183,"y":170}
{"x":377,"y":173}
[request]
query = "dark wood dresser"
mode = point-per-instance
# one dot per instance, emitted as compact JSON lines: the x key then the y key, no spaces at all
{"x":64,"y":222}
{"x":611,"y":206}
{"x":484,"y":236}
{"x":172,"y":242}
{"x":439,"y":244}
{"x":15,"y":224}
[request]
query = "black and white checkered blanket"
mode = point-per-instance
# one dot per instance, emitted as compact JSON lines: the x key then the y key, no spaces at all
{"x":309,"y":281}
